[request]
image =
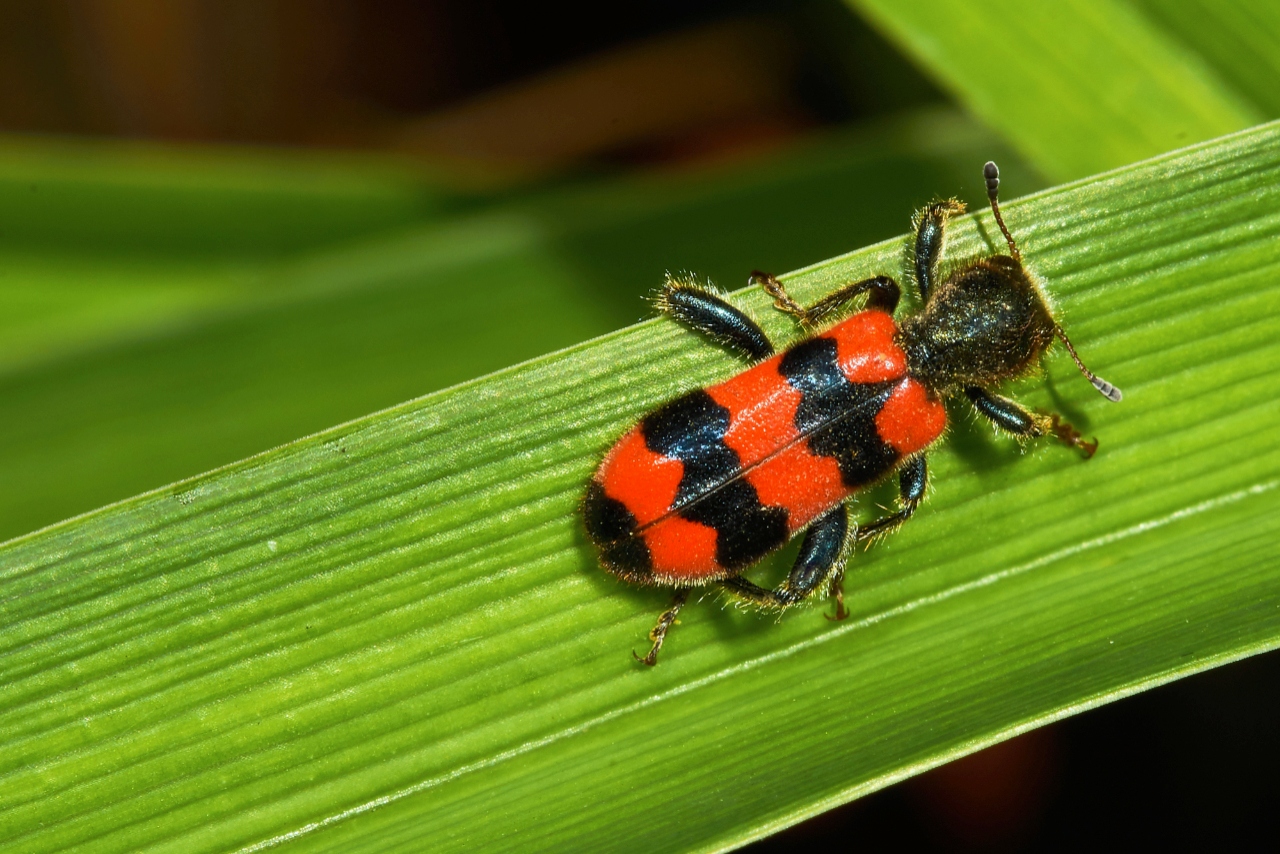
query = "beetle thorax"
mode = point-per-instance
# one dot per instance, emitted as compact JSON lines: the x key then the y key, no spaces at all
{"x":986,"y":323}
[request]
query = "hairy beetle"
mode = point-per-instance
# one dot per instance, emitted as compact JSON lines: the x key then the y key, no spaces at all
{"x":708,"y":484}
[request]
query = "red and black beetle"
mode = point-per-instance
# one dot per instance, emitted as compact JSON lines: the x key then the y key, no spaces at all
{"x":708,"y":484}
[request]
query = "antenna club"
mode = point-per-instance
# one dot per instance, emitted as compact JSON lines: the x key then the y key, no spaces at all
{"x":991,"y":172}
{"x":1107,"y":390}
{"x":1104,"y":388}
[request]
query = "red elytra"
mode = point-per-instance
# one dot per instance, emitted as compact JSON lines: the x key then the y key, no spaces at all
{"x":774,"y":457}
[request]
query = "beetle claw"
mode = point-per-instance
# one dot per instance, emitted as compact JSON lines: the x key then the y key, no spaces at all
{"x":841,"y":613}
{"x":1071,"y":437}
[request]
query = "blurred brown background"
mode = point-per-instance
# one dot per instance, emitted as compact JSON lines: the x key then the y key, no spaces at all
{"x":488,"y":91}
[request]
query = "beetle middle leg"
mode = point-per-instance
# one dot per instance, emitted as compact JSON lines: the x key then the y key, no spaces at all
{"x":821,"y":560}
{"x":1012,"y":417}
{"x":913,"y":478}
{"x":705,"y":312}
{"x":883,"y":295}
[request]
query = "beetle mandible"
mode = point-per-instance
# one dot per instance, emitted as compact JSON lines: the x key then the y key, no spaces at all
{"x":708,"y":484}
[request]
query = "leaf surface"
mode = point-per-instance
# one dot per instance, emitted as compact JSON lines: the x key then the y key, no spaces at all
{"x":393,"y":636}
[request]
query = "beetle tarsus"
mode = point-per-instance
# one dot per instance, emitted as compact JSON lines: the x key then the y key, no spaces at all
{"x":1071,"y":437}
{"x":659,"y":632}
{"x":837,"y":593}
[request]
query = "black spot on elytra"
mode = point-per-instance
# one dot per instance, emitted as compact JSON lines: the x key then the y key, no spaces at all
{"x":839,"y":416}
{"x":607,"y":519}
{"x":613,"y":529}
{"x":691,"y":429}
{"x":746,"y":529}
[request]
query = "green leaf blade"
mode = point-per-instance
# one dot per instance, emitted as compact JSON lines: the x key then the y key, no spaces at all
{"x":393,"y":635}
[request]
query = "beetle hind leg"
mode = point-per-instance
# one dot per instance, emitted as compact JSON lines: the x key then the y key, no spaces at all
{"x":820,"y":564}
{"x":659,"y":632}
{"x":1071,"y":437}
{"x":913,"y":480}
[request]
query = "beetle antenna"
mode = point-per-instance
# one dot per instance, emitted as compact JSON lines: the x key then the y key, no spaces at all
{"x":1104,"y":388}
{"x":992,"y":173}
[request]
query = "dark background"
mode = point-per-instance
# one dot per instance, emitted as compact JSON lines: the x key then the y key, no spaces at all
{"x":479,"y":91}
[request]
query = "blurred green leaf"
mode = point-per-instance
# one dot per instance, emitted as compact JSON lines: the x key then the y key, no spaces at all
{"x":1077,"y":86}
{"x":121,"y":370}
{"x":105,"y":241}
{"x":392,"y":636}
{"x":1240,"y":39}
{"x":123,"y":198}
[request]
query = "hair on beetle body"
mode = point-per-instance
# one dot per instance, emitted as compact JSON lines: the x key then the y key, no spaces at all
{"x":708,"y":484}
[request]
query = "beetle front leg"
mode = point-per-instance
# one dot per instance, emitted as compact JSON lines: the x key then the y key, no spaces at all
{"x":931,"y":228}
{"x":1013,"y":418}
{"x":821,"y":560}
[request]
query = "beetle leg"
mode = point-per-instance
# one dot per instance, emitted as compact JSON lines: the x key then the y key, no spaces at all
{"x":1071,"y":437}
{"x":821,"y":559}
{"x":930,"y":225}
{"x":912,"y":480}
{"x":659,"y":632}
{"x":703,"y":311}
{"x":1013,"y":418}
{"x":884,"y":294}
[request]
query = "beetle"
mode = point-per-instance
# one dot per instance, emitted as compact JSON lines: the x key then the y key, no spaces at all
{"x":711,"y":482}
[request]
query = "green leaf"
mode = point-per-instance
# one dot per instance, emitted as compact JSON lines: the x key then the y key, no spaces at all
{"x":1240,"y":39}
{"x":132,"y":198}
{"x":393,"y":636}
{"x":1077,"y":86}
{"x":103,"y":242}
